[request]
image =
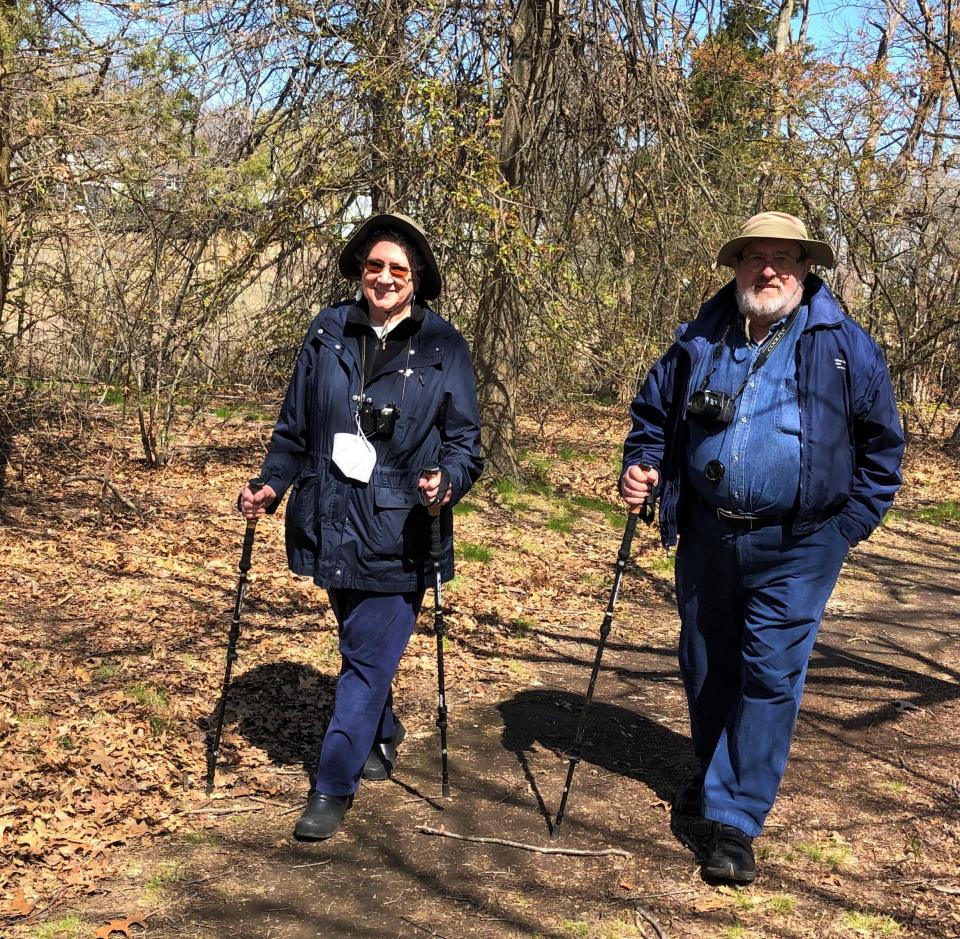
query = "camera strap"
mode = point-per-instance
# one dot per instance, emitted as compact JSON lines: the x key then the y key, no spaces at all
{"x":760,"y":360}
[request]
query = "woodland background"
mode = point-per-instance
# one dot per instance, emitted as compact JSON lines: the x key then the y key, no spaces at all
{"x":176,"y":179}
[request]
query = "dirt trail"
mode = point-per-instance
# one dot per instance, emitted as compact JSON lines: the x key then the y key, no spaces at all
{"x":867,"y":823}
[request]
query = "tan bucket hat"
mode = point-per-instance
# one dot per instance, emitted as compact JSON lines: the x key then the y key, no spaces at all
{"x":776,"y":225}
{"x":350,"y":260}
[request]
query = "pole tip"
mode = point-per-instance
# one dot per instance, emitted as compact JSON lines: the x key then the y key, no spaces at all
{"x":445,"y":789}
{"x":555,"y":833}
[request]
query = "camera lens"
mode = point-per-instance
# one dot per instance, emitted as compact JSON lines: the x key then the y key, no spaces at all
{"x":698,"y":401}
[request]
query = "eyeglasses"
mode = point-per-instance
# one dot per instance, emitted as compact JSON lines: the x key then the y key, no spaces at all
{"x":397,"y":271}
{"x":781,"y":263}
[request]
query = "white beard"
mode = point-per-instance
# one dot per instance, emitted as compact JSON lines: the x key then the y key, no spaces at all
{"x":767,"y":310}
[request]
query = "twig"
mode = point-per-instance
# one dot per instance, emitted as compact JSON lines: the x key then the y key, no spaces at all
{"x":416,"y":925}
{"x":297,"y":867}
{"x":106,"y":484}
{"x":237,"y":811}
{"x":640,"y":913}
{"x":577,"y":852}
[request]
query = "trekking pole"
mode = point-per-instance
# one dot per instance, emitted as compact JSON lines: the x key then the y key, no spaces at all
{"x":643,"y":511}
{"x":436,"y":550}
{"x":255,"y":485}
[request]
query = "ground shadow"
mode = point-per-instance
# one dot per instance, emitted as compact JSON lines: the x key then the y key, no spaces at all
{"x":282,"y":708}
{"x":615,"y":739}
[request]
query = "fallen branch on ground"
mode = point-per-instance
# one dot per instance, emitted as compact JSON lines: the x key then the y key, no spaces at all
{"x":577,"y":852}
{"x":106,"y":484}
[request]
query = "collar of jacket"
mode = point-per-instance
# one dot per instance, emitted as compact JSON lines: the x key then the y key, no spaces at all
{"x":823,"y":310}
{"x":359,"y":315}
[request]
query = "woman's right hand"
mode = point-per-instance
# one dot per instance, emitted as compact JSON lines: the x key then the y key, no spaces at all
{"x":637,"y":483}
{"x":254,"y":504}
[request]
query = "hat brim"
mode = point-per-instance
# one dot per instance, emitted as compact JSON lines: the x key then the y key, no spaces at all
{"x":350,"y":262}
{"x":818,"y":251}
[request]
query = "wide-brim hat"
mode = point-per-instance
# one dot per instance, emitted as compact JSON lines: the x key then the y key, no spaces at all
{"x":351,"y":264}
{"x":776,"y":225}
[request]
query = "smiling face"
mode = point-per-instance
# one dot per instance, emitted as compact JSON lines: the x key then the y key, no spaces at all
{"x":770,"y":274}
{"x":389,"y":291}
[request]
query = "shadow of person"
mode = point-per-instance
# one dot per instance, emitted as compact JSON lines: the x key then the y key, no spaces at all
{"x":615,"y":738}
{"x":282,"y":708}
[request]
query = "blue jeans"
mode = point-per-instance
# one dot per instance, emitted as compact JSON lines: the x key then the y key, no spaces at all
{"x":750,"y":606}
{"x":374,"y":631}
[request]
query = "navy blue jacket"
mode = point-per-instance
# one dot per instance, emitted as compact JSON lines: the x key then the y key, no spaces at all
{"x":851,"y":441}
{"x":375,"y":535}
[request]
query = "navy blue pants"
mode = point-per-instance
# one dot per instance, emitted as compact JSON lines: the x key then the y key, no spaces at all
{"x":750,"y":606}
{"x":374,"y":631}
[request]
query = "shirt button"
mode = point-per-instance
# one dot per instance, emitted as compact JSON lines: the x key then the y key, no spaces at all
{"x":751,"y":384}
{"x":743,"y":420}
{"x":320,"y":331}
{"x":337,"y":346}
{"x":735,"y":458}
{"x":339,"y":572}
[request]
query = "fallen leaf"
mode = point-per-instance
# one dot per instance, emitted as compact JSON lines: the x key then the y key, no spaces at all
{"x":19,"y":905}
{"x":121,"y":926}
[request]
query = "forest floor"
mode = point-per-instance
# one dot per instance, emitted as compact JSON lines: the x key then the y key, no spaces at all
{"x":114,"y":615}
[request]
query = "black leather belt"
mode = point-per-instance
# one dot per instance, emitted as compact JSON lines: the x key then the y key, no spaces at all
{"x":744,"y":521}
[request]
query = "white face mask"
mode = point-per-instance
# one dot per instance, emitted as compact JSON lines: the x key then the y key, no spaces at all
{"x":354,"y":455}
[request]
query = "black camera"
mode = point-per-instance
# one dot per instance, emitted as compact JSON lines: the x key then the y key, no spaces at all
{"x":378,"y":422}
{"x":711,"y":407}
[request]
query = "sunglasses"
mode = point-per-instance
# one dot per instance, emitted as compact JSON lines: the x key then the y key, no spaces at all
{"x":376,"y":266}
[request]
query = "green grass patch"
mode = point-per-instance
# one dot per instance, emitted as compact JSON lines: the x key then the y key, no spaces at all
{"x":572,"y":454}
{"x":940,"y":512}
{"x":570,"y":927}
{"x":105,"y":671}
{"x":661,"y":563}
{"x":149,"y":696}
{"x":562,"y":522}
{"x":735,"y":932}
{"x":67,"y":927}
{"x":832,"y":854}
{"x":198,"y":838}
{"x":869,"y":924}
{"x":895,"y":787}
{"x":521,"y":628}
{"x":781,"y":903}
{"x":113,"y":395}
{"x":465,"y":508}
{"x":153,"y":700}
{"x":474,"y":552}
{"x":248,"y":410}
{"x":166,"y":875}
{"x":615,"y":515}
{"x":506,"y":488}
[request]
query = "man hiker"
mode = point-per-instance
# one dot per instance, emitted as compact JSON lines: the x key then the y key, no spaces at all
{"x":772,"y":424}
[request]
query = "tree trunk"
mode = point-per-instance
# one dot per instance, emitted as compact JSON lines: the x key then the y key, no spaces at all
{"x":500,"y":337}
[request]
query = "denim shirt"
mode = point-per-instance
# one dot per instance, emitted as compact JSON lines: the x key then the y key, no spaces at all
{"x":760,"y":447}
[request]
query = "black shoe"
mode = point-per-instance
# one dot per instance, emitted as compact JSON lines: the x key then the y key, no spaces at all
{"x":731,"y":856}
{"x":383,"y":757}
{"x":322,"y":817}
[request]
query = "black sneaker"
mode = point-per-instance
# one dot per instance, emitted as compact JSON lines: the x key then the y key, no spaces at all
{"x":383,"y":757}
{"x":730,"y":857}
{"x":322,"y":817}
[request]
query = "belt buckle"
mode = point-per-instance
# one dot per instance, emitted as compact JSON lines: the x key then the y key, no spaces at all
{"x":737,"y":518}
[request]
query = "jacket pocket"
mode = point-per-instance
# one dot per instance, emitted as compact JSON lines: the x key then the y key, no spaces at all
{"x":395,"y":514}
{"x":302,"y":523}
{"x":788,"y":408}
